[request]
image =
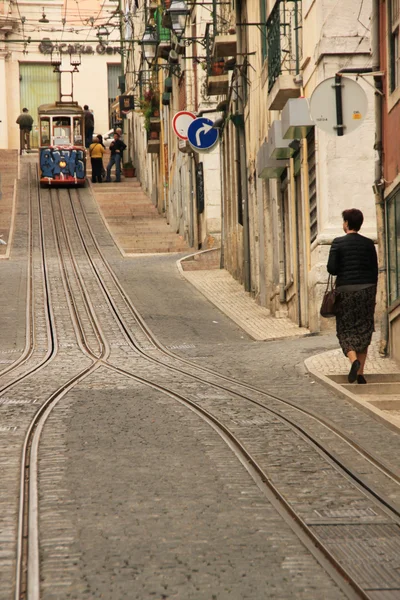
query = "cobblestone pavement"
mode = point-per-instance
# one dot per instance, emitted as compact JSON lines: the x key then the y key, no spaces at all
{"x":138,"y":497}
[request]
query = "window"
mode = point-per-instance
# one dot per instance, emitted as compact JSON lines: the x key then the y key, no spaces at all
{"x":263,"y":28}
{"x":61,"y":130}
{"x":45,"y":131}
{"x":393,"y":237}
{"x":394,"y":22}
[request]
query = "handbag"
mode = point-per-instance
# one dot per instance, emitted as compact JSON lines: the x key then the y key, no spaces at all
{"x":328,"y":306}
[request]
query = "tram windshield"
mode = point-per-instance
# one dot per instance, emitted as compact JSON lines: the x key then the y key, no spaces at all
{"x":61,"y":130}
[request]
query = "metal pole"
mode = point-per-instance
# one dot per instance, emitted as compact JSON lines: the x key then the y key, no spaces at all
{"x":339,"y":105}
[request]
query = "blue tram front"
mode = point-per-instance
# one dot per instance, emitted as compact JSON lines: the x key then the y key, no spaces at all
{"x":62,"y":154}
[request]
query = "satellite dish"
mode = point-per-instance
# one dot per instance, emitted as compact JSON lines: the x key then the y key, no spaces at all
{"x":338,"y":99}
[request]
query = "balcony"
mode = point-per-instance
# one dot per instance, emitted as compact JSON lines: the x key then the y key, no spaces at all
{"x":284,"y":52}
{"x":224,"y":45}
{"x":163,"y":36}
{"x":153,"y":146}
{"x":217,"y":84}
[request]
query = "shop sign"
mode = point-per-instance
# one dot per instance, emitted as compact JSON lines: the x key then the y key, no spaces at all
{"x":126,"y":104}
{"x":46,"y":47}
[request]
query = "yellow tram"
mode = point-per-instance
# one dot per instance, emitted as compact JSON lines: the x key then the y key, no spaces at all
{"x":62,"y":152}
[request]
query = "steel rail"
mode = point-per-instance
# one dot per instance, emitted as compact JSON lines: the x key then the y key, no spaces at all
{"x":393,"y":512}
{"x":337,"y":571}
{"x":27,"y":585}
{"x":30,"y":346}
{"x":330,"y":564}
{"x":74,"y":309}
{"x":366,"y":454}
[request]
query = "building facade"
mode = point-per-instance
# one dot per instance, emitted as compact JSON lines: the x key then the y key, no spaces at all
{"x":389,"y":30}
{"x":29,"y":31}
{"x":166,"y":77}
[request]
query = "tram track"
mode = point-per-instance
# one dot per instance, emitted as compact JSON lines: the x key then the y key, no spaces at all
{"x":392,"y":510}
{"x":145,"y":344}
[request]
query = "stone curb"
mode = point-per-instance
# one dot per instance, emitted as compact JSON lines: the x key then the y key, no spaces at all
{"x":391,"y":422}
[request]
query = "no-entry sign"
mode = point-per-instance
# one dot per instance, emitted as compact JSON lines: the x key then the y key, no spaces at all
{"x":181,"y":122}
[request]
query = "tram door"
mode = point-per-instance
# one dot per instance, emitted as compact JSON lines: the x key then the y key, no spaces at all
{"x":38,"y":85}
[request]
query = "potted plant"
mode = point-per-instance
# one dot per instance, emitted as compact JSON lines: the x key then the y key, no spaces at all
{"x":128,"y":169}
{"x":217,"y":66}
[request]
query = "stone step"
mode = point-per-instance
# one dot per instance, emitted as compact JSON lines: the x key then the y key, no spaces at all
{"x":373,"y":378}
{"x":391,"y":402}
{"x":373,"y":389}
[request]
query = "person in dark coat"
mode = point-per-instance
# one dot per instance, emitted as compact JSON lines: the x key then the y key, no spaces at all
{"x":25,"y":122}
{"x":117,"y":147}
{"x":353,"y":260}
{"x":89,"y":125}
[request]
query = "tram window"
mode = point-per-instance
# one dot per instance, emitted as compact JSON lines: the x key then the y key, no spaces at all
{"x":61,"y":130}
{"x":78,"y":140}
{"x":45,"y":132}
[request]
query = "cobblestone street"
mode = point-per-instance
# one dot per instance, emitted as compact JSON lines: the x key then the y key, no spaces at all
{"x":166,"y":431}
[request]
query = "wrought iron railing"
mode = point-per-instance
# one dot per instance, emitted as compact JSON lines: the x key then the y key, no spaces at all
{"x":284,"y":47}
{"x":163,"y":34}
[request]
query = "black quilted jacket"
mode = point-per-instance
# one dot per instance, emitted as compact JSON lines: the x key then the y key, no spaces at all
{"x":353,"y":259}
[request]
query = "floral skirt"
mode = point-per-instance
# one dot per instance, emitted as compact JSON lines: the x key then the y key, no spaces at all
{"x":355,"y":319}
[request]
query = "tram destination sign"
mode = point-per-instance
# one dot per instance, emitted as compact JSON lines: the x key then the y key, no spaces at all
{"x":46,"y":46}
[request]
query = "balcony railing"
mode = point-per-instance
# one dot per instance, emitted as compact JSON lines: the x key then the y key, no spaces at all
{"x":284,"y":39}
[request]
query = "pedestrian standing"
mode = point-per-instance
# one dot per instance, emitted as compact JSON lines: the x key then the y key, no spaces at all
{"x":353,"y":259}
{"x":117,"y":147}
{"x":25,"y":123}
{"x":89,"y":125}
{"x":96,"y":151}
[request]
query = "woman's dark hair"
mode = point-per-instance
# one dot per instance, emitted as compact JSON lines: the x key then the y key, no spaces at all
{"x":100,"y":139}
{"x":354,"y":218}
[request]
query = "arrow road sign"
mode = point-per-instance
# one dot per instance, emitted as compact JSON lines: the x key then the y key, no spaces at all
{"x":201,"y":135}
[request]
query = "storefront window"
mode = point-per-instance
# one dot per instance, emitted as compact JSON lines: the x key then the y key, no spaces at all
{"x":61,"y":130}
{"x":393,"y":236}
{"x":45,"y":132}
{"x":78,"y":141}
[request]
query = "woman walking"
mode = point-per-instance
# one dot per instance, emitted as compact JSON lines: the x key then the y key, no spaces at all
{"x":353,"y":259}
{"x":96,"y":151}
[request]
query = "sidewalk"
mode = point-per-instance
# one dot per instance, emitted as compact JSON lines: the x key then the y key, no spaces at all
{"x":133,"y":221}
{"x":8,"y":177}
{"x":219,"y":287}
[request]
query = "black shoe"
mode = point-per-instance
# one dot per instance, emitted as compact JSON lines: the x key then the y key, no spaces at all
{"x":117,"y":181}
{"x":352,"y":376}
{"x":108,"y":180}
{"x":361,"y":379}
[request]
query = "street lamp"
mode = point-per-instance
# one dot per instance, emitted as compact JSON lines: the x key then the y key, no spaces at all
{"x":149,"y":43}
{"x":56,"y":58}
{"x":176,"y":16}
{"x":75,"y":60}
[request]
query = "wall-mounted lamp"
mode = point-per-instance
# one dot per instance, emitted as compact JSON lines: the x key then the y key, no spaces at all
{"x":175,"y":16}
{"x":149,"y":43}
{"x":43,"y":19}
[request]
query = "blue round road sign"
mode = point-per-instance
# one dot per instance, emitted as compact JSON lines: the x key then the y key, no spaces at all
{"x":201,"y":135}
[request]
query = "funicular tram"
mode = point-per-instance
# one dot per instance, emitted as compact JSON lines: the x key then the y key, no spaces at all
{"x":62,"y":153}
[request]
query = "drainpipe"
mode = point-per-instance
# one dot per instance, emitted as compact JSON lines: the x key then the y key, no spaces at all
{"x":243,"y":155}
{"x":379,"y":187}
